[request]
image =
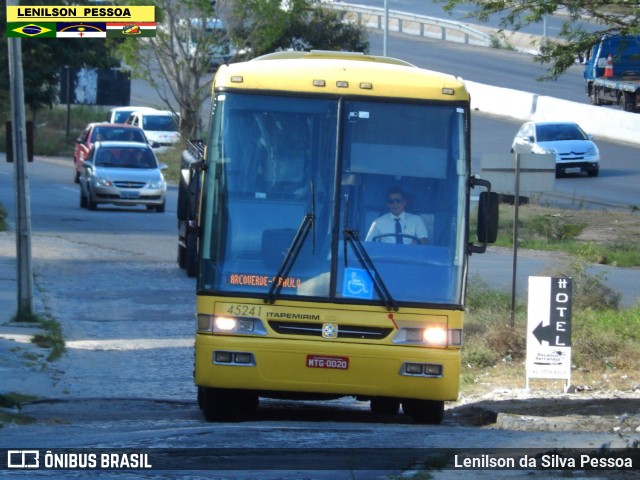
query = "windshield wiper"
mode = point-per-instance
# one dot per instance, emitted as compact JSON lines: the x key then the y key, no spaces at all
{"x":308,"y":223}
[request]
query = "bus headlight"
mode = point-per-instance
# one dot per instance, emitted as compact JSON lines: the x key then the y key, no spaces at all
{"x":232,"y":325}
{"x":224,"y":324}
{"x":435,"y":336}
{"x":429,"y":336}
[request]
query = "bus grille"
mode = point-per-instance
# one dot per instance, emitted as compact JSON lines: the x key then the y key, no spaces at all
{"x":315,"y":330}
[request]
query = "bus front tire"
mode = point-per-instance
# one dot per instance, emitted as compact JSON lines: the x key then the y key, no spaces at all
{"x":384,"y":406}
{"x":429,"y":412}
{"x":191,"y":260}
{"x":182,"y":257}
{"x":220,"y":405}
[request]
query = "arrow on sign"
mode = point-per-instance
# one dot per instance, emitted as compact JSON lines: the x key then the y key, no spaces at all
{"x":544,"y":333}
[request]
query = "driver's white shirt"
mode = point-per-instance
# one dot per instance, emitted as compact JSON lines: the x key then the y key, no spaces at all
{"x":386,"y":225}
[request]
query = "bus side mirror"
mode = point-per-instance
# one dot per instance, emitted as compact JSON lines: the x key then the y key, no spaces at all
{"x":487,"y":231}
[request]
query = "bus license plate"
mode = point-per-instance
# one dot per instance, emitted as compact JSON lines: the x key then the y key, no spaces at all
{"x":323,"y":361}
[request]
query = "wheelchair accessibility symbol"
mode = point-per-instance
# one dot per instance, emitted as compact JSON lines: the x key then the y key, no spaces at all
{"x":357,"y":284}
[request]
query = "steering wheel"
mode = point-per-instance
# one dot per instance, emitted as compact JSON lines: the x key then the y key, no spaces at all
{"x":401,"y":235}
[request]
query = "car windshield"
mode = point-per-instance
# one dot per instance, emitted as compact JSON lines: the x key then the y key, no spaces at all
{"x":125,"y":158}
{"x":101,"y":134}
{"x":121,"y":116}
{"x":559,"y":132}
{"x":161,"y":123}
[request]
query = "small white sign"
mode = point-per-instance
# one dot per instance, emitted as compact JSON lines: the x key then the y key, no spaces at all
{"x":549,"y":329}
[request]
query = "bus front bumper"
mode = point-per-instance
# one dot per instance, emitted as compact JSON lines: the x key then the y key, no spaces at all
{"x":335,"y":368}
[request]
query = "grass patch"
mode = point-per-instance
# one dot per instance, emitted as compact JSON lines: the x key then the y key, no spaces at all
{"x":14,"y":400}
{"x":17,"y":418}
{"x":172,"y":158}
{"x":51,"y":339}
{"x":605,"y":237}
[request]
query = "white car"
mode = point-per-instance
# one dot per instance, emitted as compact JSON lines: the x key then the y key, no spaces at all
{"x":120,"y":114}
{"x":574,"y":150}
{"x":161,"y":127}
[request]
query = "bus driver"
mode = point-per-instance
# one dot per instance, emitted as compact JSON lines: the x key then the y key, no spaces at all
{"x":397,"y":226}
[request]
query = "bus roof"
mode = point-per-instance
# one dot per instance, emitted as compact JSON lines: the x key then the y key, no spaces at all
{"x":339,"y":73}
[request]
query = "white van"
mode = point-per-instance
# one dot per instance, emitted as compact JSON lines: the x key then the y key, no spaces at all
{"x":120,"y":114}
{"x":160,"y":126}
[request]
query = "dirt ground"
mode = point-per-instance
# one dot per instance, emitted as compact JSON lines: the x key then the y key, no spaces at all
{"x":545,"y":409}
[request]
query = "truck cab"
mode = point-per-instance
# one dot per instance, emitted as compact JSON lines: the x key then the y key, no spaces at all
{"x":612,"y":73}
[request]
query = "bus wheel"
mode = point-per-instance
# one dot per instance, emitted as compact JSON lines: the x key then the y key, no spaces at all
{"x":385,"y":406}
{"x":191,"y":261}
{"x":424,"y":411}
{"x":182,"y":257}
{"x":217,"y":405}
{"x":220,"y":405}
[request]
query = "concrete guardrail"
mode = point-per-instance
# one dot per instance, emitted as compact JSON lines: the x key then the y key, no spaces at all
{"x":410,"y":23}
{"x":601,"y":122}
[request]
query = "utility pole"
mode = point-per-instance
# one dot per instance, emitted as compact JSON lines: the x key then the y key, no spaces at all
{"x":21,"y":179}
{"x":385,"y":33}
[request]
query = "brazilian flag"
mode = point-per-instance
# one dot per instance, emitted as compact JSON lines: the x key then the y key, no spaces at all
{"x":33,"y":30}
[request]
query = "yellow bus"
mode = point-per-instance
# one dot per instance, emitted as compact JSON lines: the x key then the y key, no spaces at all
{"x":298,"y":295}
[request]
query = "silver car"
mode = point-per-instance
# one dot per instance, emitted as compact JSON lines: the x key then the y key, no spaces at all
{"x":122,"y":173}
{"x":574,"y":150}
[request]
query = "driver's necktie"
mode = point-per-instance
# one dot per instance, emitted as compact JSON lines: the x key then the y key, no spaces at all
{"x":398,"y":231}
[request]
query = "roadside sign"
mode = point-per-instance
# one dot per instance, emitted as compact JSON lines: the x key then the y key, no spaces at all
{"x":549,"y":329}
{"x":536,"y":172}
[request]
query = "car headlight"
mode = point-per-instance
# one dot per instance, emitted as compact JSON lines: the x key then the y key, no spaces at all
{"x":102,"y":182}
{"x":156,"y":183}
{"x":540,"y":150}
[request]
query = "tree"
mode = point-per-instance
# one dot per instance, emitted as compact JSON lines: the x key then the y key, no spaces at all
{"x":43,"y":61}
{"x":176,"y":62}
{"x":264,"y":26}
{"x":616,"y":17}
{"x":191,"y":33}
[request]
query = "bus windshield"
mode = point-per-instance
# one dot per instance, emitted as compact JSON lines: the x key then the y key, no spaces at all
{"x":302,"y":196}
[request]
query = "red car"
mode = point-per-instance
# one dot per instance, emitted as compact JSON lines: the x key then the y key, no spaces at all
{"x":95,"y":132}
